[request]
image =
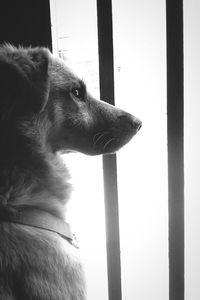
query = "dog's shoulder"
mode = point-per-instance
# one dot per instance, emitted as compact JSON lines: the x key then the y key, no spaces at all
{"x":31,"y":257}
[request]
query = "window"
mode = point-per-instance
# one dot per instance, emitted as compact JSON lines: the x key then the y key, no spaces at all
{"x":75,"y":40}
{"x":140,"y":82}
{"x":139,"y":31}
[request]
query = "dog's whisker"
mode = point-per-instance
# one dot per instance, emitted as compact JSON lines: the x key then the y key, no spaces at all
{"x":107,"y":143}
{"x":98,"y":136}
{"x":98,"y":139}
{"x":99,"y":133}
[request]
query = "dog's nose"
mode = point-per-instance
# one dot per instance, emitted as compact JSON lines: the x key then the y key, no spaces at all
{"x":137,"y":124}
{"x":133,"y":122}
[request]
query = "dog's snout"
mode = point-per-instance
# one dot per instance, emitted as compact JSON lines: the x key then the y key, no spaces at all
{"x":134,"y":123}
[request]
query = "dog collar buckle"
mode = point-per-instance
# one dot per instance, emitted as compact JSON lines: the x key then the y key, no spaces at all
{"x":74,"y":242}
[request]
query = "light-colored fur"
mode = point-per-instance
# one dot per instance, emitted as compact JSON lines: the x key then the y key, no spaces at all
{"x":46,"y":110}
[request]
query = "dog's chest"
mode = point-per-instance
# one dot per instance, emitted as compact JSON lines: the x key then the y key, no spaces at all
{"x":64,"y":273}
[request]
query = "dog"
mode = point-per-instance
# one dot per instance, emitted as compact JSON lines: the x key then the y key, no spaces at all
{"x":45,"y":110}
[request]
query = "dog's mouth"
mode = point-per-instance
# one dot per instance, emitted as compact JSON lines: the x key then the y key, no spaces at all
{"x":105,"y":142}
{"x":109,"y":141}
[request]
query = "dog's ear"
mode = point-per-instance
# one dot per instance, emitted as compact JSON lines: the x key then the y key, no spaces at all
{"x":38,"y":78}
{"x":24,"y":83}
{"x":10,"y":87}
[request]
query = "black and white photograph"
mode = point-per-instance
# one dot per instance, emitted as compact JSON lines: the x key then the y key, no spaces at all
{"x":99,"y":147}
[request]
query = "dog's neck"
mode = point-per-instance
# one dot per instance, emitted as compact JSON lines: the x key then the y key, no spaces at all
{"x":40,"y":181}
{"x":37,"y":218}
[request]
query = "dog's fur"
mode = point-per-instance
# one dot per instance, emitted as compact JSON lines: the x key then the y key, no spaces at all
{"x":44,"y":110}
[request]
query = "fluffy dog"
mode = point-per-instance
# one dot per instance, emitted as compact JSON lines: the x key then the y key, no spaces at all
{"x":45,"y":110}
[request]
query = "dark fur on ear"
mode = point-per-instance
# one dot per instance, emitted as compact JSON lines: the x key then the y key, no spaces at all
{"x":24,"y":83}
{"x":39,"y":78}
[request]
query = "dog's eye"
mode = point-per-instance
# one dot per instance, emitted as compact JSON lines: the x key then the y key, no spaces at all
{"x":78,"y":93}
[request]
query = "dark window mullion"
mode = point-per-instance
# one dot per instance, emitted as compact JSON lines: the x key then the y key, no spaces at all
{"x":106,"y":74}
{"x":175,"y":111}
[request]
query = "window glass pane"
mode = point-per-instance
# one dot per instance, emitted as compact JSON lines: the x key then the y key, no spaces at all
{"x":140,"y":88}
{"x":74,"y":29}
{"x":192,"y":146}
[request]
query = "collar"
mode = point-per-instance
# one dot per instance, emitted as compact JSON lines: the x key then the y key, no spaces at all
{"x":38,"y":218}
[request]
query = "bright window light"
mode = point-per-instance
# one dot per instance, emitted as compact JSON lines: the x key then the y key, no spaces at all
{"x":140,"y":84}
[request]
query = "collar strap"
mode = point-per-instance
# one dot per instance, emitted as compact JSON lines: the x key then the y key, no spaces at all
{"x":35,"y":217}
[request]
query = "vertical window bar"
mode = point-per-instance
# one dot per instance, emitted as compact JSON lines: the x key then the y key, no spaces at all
{"x":175,"y":108}
{"x":106,"y":75}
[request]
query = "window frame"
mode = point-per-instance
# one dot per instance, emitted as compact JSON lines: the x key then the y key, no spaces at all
{"x":175,"y":128}
{"x":175,"y":140}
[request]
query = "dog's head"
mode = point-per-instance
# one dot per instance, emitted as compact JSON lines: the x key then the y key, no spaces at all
{"x":48,"y":103}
